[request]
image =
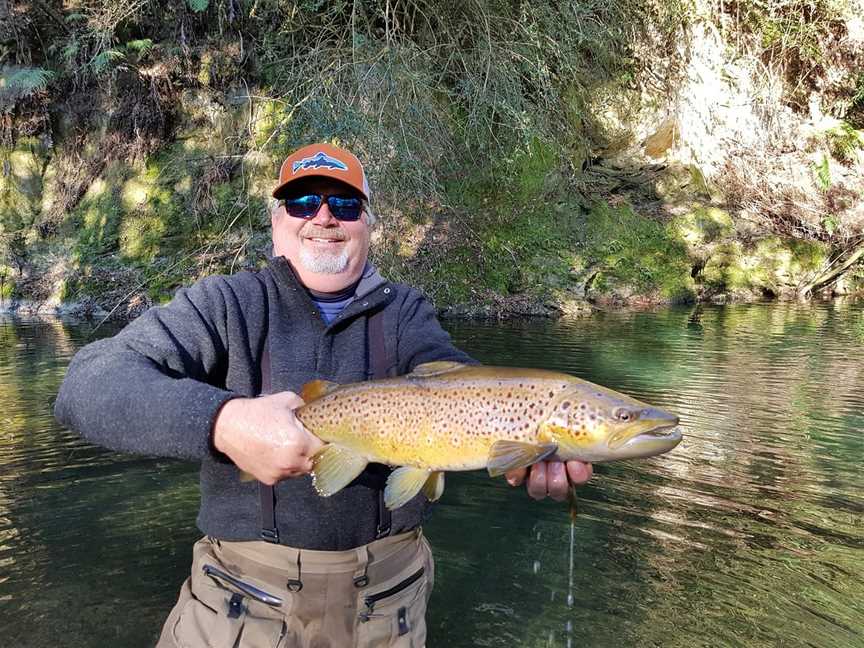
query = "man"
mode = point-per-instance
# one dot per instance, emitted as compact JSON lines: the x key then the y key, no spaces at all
{"x":214,"y":375}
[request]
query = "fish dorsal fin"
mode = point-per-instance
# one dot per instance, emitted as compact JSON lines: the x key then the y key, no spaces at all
{"x":435,"y":368}
{"x":509,"y":455}
{"x":315,"y":389}
{"x":403,"y":484}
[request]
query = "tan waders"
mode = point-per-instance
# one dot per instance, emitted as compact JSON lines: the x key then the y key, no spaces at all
{"x":259,"y":594}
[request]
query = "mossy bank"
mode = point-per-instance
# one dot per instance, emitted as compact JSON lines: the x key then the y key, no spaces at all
{"x":527,"y":159}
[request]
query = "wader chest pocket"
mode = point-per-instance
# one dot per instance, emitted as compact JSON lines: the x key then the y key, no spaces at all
{"x":225,"y":611}
{"x":394,"y":616}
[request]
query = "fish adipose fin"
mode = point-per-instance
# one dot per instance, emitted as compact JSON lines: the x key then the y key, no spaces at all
{"x":315,"y":389}
{"x":403,"y":484}
{"x":509,"y":455}
{"x":434,"y":486}
{"x":435,"y":368}
{"x":334,"y":467}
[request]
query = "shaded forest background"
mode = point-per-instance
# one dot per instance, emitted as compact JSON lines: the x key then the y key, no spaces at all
{"x":525,"y":157}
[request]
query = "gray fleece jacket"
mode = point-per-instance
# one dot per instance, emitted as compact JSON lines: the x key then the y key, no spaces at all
{"x":155,"y":388}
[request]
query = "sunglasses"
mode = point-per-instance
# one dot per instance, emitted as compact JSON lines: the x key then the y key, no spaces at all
{"x":342,"y":208}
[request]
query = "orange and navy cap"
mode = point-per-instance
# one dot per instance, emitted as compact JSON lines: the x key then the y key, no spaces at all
{"x":322,"y":161}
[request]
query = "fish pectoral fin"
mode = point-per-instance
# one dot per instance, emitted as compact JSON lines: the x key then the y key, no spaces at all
{"x":434,"y":368}
{"x":334,"y":467}
{"x":403,"y":484}
{"x":509,"y":455}
{"x":315,"y":389}
{"x":434,"y":486}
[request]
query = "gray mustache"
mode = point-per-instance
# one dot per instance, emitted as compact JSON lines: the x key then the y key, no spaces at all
{"x":316,"y":232}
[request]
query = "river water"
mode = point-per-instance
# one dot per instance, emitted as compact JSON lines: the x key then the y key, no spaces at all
{"x":750,"y":533}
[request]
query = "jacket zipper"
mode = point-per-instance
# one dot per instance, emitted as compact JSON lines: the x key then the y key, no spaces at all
{"x":372,"y":599}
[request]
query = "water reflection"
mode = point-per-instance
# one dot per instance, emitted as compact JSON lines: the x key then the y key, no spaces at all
{"x":750,"y":533}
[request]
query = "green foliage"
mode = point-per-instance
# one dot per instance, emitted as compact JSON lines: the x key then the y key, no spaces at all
{"x":7,"y":282}
{"x":793,"y":34}
{"x":844,"y":142}
{"x":27,"y":81}
{"x":529,"y":253}
{"x":830,"y":223}
{"x":822,"y":172}
{"x":638,"y":253}
{"x":104,"y":61}
{"x":140,"y":46}
{"x":198,"y":5}
{"x":702,"y":225}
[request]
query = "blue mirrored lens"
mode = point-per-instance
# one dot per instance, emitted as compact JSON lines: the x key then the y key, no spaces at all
{"x":347,"y":209}
{"x":303,"y":206}
{"x":343,"y":209}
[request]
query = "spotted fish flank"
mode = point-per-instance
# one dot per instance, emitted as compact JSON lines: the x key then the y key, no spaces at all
{"x":449,"y":416}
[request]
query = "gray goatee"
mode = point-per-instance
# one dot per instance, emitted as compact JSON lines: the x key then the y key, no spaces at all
{"x":323,"y":262}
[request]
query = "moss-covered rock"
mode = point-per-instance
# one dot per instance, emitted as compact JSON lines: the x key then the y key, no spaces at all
{"x":634,"y":256}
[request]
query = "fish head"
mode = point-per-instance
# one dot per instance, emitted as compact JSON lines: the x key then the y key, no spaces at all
{"x":592,"y":423}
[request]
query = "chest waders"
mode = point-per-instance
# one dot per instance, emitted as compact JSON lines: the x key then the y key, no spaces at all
{"x":379,"y":363}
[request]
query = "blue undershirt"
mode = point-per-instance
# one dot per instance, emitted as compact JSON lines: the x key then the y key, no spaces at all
{"x":330,"y":309}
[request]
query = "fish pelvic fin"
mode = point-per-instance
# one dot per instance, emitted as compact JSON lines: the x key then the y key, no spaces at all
{"x":509,"y":455}
{"x":315,"y":389}
{"x":403,"y":484}
{"x":434,"y":486}
{"x":334,"y":467}
{"x":246,"y":476}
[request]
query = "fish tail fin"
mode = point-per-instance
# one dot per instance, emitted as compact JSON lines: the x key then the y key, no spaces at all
{"x":334,"y":467}
{"x":434,"y":486}
{"x":403,"y":484}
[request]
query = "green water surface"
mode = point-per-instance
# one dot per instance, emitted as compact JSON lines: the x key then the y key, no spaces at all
{"x":750,"y":533}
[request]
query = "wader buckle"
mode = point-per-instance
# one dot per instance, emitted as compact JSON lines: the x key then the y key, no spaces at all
{"x":235,"y":606}
{"x":361,"y":581}
{"x":270,"y":535}
{"x":294,"y":585}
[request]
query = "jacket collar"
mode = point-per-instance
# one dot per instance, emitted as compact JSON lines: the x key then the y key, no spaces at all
{"x":373,"y":291}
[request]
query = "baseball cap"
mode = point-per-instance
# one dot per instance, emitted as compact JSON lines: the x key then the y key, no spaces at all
{"x":322,"y":161}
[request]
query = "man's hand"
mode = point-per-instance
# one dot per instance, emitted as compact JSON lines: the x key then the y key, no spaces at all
{"x":264,"y":438}
{"x":552,"y":478}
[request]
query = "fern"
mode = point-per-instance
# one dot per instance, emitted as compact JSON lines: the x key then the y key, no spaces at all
{"x":29,"y":80}
{"x":198,"y":5}
{"x":141,"y":47}
{"x":823,"y":174}
{"x":104,"y":60}
{"x":844,"y":142}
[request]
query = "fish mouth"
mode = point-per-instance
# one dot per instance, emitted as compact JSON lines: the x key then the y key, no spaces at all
{"x":651,"y":442}
{"x":671,"y":432}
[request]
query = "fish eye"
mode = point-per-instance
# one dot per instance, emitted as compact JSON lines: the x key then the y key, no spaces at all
{"x":624,"y":415}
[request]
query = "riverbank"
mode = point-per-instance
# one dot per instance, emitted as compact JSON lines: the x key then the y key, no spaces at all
{"x":558,"y":159}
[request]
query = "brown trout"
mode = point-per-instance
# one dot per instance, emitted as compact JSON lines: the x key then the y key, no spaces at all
{"x":450,"y":416}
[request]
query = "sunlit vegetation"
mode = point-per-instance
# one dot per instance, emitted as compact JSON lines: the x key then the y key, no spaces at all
{"x":139,"y":146}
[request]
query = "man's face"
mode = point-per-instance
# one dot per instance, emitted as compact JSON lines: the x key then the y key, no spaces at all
{"x":326,"y":253}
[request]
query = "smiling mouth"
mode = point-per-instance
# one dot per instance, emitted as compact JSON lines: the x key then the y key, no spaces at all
{"x":316,"y":239}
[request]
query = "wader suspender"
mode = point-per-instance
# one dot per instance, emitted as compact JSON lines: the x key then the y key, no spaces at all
{"x":379,"y":361}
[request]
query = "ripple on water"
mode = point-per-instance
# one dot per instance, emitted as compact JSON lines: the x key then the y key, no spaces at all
{"x":750,"y":533}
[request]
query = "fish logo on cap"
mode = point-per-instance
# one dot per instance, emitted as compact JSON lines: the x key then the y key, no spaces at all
{"x":318,"y":161}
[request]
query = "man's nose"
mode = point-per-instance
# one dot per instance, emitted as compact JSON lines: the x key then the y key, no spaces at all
{"x":324,"y":217}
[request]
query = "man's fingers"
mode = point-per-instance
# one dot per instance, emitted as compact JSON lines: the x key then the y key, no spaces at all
{"x":579,"y":472}
{"x":556,"y":480}
{"x":288,"y":399}
{"x":516,"y":477}
{"x":537,"y":481}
